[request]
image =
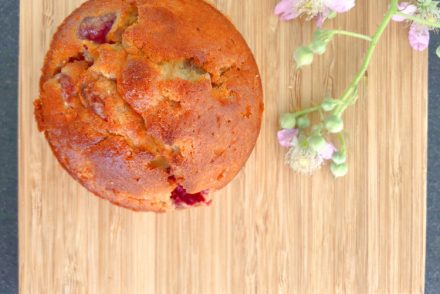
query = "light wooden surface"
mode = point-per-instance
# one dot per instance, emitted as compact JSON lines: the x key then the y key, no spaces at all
{"x":270,"y":230}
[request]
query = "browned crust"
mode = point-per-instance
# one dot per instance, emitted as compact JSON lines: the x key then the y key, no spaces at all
{"x":181,"y":85}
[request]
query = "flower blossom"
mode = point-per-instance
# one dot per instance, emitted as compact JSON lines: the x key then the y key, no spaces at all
{"x":301,"y":157}
{"x":303,"y":160}
{"x":286,"y":137}
{"x":328,"y":151}
{"x":419,"y":35}
{"x":287,"y":9}
{"x":406,"y":8}
{"x":319,"y":9}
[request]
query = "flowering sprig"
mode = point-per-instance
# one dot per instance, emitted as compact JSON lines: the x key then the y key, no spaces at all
{"x":310,"y":146}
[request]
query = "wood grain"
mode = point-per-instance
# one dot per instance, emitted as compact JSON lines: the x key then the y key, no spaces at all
{"x":270,"y":230}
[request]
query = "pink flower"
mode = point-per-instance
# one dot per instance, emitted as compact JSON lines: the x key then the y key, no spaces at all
{"x":328,"y":151}
{"x":418,"y":34}
{"x":406,"y":8}
{"x":418,"y":37}
{"x":286,"y":137}
{"x":319,"y":9}
{"x":339,"y":6}
{"x":287,"y":10}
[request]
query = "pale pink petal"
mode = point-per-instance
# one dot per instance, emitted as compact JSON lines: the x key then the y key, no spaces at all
{"x":418,"y":37}
{"x":406,"y":8}
{"x":286,"y":137}
{"x":286,"y":9}
{"x":320,"y":20}
{"x":328,"y":151}
{"x":322,"y":17}
{"x":339,"y":6}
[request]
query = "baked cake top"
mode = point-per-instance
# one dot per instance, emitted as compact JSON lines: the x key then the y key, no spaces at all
{"x":150,"y":103}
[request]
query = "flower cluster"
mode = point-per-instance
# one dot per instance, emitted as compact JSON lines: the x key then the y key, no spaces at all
{"x":308,"y":148}
{"x":319,"y":9}
{"x":422,"y":14}
{"x":309,"y":145}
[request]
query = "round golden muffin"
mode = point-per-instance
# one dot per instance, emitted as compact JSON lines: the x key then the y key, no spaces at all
{"x":150,"y":104}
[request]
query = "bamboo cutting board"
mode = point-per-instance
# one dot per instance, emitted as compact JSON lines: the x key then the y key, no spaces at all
{"x":270,"y":230}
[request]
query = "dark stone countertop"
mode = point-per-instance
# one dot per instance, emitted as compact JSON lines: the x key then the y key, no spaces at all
{"x":8,"y":147}
{"x":433,"y":222}
{"x":8,"y":157}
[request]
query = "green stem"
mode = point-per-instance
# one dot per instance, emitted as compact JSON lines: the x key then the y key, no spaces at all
{"x":307,"y":110}
{"x":419,"y":20}
{"x":351,"y":100}
{"x":346,"y":96}
{"x":351,"y":34}
{"x":343,"y":147}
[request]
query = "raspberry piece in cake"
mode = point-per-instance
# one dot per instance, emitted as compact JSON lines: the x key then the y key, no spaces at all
{"x":67,"y":87}
{"x":96,"y":28}
{"x":182,"y":198}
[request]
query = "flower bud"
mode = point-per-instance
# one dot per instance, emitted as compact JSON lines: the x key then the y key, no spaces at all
{"x":339,"y":157}
{"x":316,"y":129}
{"x":303,"y":122}
{"x":334,"y":124}
{"x":303,"y":56}
{"x":287,"y":121}
{"x":339,"y":170}
{"x":329,"y":104}
{"x":324,"y":36}
{"x":318,"y":47}
{"x":317,"y":142}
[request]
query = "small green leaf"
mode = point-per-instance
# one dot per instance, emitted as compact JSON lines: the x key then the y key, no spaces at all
{"x":303,"y":56}
{"x":332,"y":15}
{"x":438,"y":51}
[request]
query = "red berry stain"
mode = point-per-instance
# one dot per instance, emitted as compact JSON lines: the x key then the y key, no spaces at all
{"x":96,"y":28}
{"x":93,"y":101}
{"x":182,"y":198}
{"x":67,"y":87}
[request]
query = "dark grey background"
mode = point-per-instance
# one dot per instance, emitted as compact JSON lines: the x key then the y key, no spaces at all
{"x":8,"y":146}
{"x":433,"y":229}
{"x":8,"y":157}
